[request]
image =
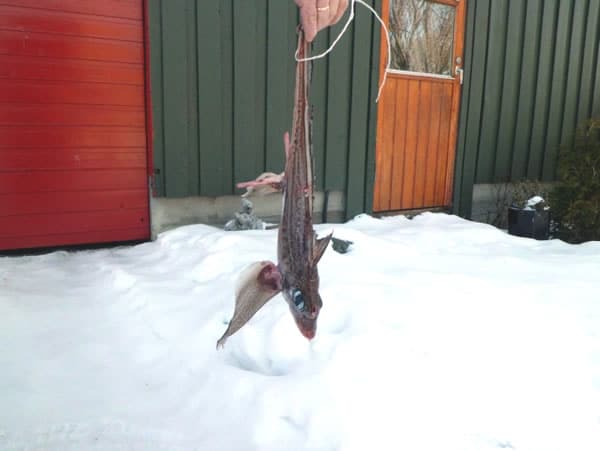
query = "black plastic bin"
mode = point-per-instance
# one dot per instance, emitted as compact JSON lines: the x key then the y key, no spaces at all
{"x":529,"y":223}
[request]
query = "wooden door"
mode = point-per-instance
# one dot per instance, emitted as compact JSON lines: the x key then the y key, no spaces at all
{"x":418,"y":110}
{"x":73,"y":135}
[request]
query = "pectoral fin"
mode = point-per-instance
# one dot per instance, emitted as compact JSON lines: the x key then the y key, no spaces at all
{"x":266,"y":183}
{"x":258,"y":283}
{"x":320,"y":246}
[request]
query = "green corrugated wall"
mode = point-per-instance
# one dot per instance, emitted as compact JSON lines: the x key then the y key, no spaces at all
{"x":532,"y":73}
{"x":222,"y":79}
{"x":222,"y":86}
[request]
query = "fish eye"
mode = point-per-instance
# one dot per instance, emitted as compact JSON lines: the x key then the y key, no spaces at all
{"x":298,"y":299}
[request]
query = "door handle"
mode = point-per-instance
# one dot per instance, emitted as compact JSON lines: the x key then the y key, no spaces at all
{"x":459,"y":72}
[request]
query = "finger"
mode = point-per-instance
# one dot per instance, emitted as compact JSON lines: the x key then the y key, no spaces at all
{"x":332,"y":11}
{"x":341,"y":10}
{"x":323,"y":14}
{"x":308,"y":17}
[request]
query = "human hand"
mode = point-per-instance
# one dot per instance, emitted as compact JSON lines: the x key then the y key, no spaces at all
{"x":318,"y":14}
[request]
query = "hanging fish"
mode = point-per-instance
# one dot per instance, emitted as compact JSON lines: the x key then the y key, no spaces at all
{"x":298,"y":249}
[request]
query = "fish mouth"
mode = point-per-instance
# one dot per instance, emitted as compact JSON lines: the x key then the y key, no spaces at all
{"x":306,"y":326}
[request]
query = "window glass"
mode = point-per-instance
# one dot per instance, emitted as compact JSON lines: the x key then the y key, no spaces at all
{"x":422,"y":36}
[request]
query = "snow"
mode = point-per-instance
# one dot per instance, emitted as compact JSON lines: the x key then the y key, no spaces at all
{"x":534,"y":202}
{"x":436,"y":334}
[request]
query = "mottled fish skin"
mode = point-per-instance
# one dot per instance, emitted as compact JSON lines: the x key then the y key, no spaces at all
{"x":298,"y":250}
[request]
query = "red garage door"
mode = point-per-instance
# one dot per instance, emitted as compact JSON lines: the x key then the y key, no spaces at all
{"x":73,"y":149}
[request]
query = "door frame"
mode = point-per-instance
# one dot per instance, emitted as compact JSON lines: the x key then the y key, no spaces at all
{"x":148,"y":106}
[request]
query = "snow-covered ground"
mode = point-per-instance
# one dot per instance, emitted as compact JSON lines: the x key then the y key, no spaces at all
{"x":436,"y":334}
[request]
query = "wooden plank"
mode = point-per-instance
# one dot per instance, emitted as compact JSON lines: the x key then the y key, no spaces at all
{"x":21,"y":43}
{"x":66,"y":239}
{"x":157,"y":89}
{"x":28,"y":68}
{"x":106,"y":8}
{"x":424,"y":118}
{"x":76,"y":222}
{"x":70,"y":24}
{"x":505,"y":152}
{"x":76,"y":180}
{"x":558,"y":89}
{"x":338,"y":111}
{"x":574,"y":71}
{"x":75,"y":158}
{"x":444,"y":170}
{"x":359,"y":110}
{"x":70,"y":136}
{"x":20,"y":114}
{"x":526,"y":98}
{"x":420,"y":76}
{"x":447,"y":2}
{"x":385,"y":146}
{"x":397,"y":152}
{"x":434,"y":151}
{"x":493,"y":91}
{"x":412,"y":144}
{"x":175,"y":98}
{"x":38,"y":91}
{"x":25,"y":204}
{"x":543,"y":87}
{"x":248,"y":153}
{"x":590,"y":62}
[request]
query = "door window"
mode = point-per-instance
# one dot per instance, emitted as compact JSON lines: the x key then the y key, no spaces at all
{"x":422,"y":36}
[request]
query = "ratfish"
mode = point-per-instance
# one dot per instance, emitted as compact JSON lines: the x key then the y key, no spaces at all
{"x":298,"y":249}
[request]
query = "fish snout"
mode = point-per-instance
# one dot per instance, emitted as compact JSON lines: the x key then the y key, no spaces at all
{"x":310,"y":334}
{"x":307,"y":324}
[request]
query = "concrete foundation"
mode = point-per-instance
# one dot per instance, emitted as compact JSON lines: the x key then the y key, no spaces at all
{"x":170,"y":213}
{"x":485,"y":203}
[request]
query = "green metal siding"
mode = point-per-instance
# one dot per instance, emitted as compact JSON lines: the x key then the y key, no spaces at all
{"x":222,"y":88}
{"x":532,"y":73}
{"x":222,"y":83}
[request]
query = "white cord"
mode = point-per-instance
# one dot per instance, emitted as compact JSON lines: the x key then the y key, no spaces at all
{"x":344,"y":29}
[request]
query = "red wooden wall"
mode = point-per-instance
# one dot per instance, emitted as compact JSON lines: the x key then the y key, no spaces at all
{"x":73,"y":141}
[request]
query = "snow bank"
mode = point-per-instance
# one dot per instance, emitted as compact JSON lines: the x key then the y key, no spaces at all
{"x":436,"y":334}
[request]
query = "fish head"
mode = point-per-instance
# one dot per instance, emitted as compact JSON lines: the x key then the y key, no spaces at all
{"x":305,"y":304}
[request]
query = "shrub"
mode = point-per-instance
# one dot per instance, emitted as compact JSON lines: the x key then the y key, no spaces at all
{"x":575,"y":199}
{"x":525,"y":189}
{"x":514,"y":194}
